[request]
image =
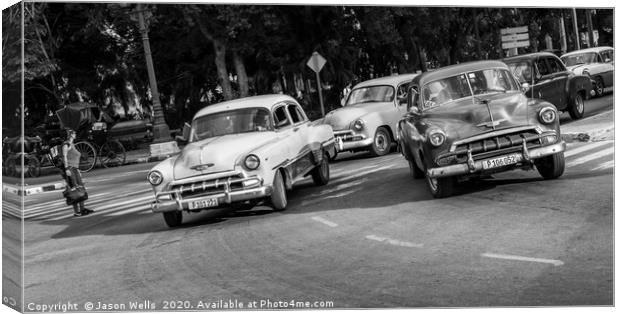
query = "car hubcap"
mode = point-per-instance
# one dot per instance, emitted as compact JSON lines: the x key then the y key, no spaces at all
{"x":579,"y":104}
{"x":380,"y":142}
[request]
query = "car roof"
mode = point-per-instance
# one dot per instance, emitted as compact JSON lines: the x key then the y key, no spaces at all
{"x":262,"y":101}
{"x":593,"y":49}
{"x":455,"y":69}
{"x":529,"y":56}
{"x":387,"y":80}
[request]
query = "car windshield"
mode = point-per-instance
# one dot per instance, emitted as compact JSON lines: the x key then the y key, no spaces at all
{"x":582,"y":58}
{"x":231,"y":122}
{"x":467,"y":84}
{"x":380,"y":93}
{"x":522,"y":70}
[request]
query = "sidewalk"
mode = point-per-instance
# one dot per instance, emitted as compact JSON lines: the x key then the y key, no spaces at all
{"x":599,"y":127}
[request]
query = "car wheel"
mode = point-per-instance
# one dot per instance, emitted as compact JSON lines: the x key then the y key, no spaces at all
{"x":550,"y":167}
{"x":415,"y":171}
{"x":320,"y":173}
{"x":440,"y":187}
{"x":278,"y":194}
{"x":381,"y":143}
{"x":173,"y":219}
{"x":599,"y":87}
{"x":576,"y":108}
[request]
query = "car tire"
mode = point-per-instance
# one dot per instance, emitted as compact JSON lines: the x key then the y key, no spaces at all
{"x":320,"y":173}
{"x":576,"y":107}
{"x":278,"y":194}
{"x":599,"y":87}
{"x":333,"y":157}
{"x":441,"y":187}
{"x":415,"y":171}
{"x":173,"y":219}
{"x":551,"y":167}
{"x":381,"y":143}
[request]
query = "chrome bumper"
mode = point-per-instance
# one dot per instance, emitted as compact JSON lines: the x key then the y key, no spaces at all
{"x":342,"y":145}
{"x":476,"y":166}
{"x":164,"y":202}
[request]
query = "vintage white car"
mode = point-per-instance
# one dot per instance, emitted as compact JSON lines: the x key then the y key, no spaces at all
{"x":369,"y":117}
{"x":597,"y":63}
{"x":242,"y":152}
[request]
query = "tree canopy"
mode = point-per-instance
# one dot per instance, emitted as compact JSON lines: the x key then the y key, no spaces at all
{"x":205,"y":53}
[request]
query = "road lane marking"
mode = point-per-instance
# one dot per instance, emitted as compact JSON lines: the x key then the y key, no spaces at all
{"x":605,"y":165}
{"x":325,"y":221}
{"x":602,"y":153}
{"x":523,"y":258}
{"x":583,"y":148}
{"x":393,"y":241}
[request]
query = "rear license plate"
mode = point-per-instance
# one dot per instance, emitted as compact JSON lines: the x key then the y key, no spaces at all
{"x":210,"y":202}
{"x":501,"y":161}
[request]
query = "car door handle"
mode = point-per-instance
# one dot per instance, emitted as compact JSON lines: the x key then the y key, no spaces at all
{"x":296,"y":129}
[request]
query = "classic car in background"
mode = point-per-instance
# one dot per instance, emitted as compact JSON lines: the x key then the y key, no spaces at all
{"x":368,"y":119}
{"x":548,"y":79}
{"x":471,"y":120}
{"x":239,"y":153}
{"x":596,"y":63}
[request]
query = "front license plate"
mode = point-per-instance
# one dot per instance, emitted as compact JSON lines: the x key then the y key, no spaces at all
{"x":501,"y":161}
{"x":210,"y":202}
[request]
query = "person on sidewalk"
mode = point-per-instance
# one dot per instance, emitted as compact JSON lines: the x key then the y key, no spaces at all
{"x":71,"y":173}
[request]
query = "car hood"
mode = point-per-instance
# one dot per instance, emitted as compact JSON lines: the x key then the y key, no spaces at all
{"x":218,"y":154}
{"x":340,"y":119}
{"x":466,"y":118}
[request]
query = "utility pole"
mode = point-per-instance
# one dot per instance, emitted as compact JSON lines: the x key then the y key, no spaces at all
{"x":590,"y":32}
{"x":562,"y":34}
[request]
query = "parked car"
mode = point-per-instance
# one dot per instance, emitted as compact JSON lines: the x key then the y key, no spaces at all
{"x":472,"y":120}
{"x":367,"y":121}
{"x":596,"y":63}
{"x":239,"y":153}
{"x":548,"y":79}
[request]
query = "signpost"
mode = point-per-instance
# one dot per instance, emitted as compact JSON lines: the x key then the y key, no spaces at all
{"x":515,"y":37}
{"x":316,"y":63}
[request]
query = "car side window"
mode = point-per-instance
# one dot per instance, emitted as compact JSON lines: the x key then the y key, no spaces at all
{"x":556,"y":65}
{"x":608,"y":55}
{"x":280,"y":118}
{"x":541,"y":64}
{"x":294,"y":113}
{"x":301,"y":113}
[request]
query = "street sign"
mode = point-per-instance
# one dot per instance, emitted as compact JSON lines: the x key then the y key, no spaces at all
{"x":515,"y":37}
{"x":515,"y":44}
{"x":316,"y":62}
{"x":513,"y":30}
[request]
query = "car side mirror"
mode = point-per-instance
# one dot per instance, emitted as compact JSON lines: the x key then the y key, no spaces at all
{"x":414,"y":111}
{"x":525,"y":87}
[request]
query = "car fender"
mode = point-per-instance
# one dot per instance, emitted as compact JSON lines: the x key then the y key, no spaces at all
{"x":166,"y":168}
{"x":374,"y":120}
{"x":576,"y":84}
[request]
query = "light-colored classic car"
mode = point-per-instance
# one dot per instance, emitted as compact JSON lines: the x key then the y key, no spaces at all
{"x":368,"y":119}
{"x":473,"y":120}
{"x":240,"y":153}
{"x":597,"y":63}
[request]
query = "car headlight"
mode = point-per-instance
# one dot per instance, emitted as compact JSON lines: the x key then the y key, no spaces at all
{"x":358,"y":125}
{"x":547,"y":115}
{"x":155,"y":177}
{"x":436,"y":137}
{"x":251,"y":162}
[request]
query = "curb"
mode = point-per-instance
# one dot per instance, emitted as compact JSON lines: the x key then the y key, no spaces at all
{"x":25,"y":191}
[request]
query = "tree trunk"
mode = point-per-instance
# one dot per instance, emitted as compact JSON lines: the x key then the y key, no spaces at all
{"x":222,"y":73}
{"x":242,"y":76}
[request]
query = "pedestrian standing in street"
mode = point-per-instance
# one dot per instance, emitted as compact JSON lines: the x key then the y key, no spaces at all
{"x":76,"y":192}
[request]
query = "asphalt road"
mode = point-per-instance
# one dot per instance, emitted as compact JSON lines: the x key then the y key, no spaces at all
{"x":373,"y":237}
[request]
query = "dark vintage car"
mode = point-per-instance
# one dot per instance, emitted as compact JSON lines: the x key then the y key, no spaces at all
{"x":473,"y":120}
{"x":548,"y":79}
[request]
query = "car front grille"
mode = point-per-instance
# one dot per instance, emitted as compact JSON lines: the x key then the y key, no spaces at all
{"x":208,"y":187}
{"x":348,"y":136}
{"x":497,"y":145}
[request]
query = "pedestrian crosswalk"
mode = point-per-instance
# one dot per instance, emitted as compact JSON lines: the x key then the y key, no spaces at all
{"x":346,"y":176}
{"x":104,"y":204}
